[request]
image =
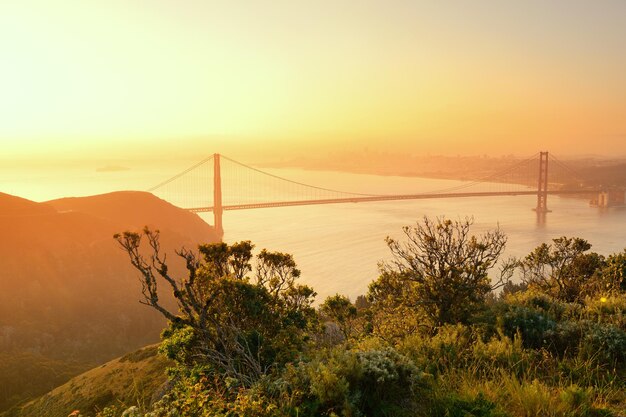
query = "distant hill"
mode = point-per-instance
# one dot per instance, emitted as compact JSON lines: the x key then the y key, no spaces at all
{"x":606,"y":175}
{"x":17,"y":206}
{"x":134,"y":379}
{"x":137,"y":209}
{"x":68,"y":293}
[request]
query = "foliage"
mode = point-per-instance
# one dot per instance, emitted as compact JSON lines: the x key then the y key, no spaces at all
{"x":340,"y":310}
{"x":605,"y":344}
{"x":377,"y":381}
{"x":531,"y":324}
{"x":446,"y":267}
{"x":430,"y":339}
{"x":614,"y":272}
{"x":372,"y":382}
{"x":242,"y":328}
{"x":564,"y":270}
{"x":392,"y":314}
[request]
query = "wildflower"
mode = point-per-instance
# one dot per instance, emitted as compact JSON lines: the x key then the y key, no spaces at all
{"x":603,"y":299}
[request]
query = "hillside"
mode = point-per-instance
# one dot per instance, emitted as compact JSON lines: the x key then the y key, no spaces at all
{"x":130,"y":380}
{"x":69,"y":294}
{"x":137,"y":209}
{"x":608,"y":176}
{"x":17,"y":206}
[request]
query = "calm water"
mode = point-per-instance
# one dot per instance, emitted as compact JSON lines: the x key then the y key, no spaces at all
{"x":337,"y":247}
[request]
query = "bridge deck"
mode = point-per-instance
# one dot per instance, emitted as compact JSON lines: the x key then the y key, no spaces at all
{"x":383,"y":198}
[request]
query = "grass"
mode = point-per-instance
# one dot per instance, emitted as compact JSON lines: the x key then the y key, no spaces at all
{"x":124,"y":382}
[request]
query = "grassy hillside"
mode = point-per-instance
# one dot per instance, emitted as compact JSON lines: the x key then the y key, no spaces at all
{"x":27,"y":375}
{"x":130,"y":380}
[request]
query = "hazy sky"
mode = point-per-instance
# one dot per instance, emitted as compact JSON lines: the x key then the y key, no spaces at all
{"x":429,"y":76}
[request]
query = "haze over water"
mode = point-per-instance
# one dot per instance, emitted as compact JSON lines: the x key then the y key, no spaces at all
{"x":337,"y":247}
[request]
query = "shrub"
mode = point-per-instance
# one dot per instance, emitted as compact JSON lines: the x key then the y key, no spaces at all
{"x":563,"y":269}
{"x":564,"y":339}
{"x":242,"y":328}
{"x":531,"y":325}
{"x":132,"y":412}
{"x":446,"y":350}
{"x":605,"y":343}
{"x":377,"y":382}
{"x":446,"y":268}
{"x":614,"y":273}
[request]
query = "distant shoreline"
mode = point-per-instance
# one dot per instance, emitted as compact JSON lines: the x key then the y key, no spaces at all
{"x":594,"y":173}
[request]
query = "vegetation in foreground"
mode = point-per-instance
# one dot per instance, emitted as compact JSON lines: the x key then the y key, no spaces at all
{"x":431,"y":338}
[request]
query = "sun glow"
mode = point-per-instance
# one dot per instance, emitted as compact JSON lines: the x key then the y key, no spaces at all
{"x":426,"y":76}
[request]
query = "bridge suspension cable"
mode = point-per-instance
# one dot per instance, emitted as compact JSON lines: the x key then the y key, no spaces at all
{"x":347,"y":193}
{"x":180,"y":174}
{"x":244,"y":186}
{"x":566,"y":174}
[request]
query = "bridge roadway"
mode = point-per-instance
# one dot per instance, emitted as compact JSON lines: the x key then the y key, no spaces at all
{"x":397,"y":197}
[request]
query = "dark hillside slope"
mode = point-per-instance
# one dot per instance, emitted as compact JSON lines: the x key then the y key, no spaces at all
{"x":134,"y":379}
{"x":67,"y":292}
{"x":606,"y":176}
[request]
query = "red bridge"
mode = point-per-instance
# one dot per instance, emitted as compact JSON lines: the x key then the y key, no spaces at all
{"x":218,"y":183}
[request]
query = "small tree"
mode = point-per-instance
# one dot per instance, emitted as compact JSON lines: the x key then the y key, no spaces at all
{"x":236,"y":327}
{"x":340,"y":310}
{"x":563,"y":269}
{"x":442,"y":270}
{"x":393,"y":312}
{"x":614,"y":272}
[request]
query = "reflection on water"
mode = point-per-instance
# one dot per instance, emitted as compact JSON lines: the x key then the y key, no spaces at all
{"x":541,"y":219}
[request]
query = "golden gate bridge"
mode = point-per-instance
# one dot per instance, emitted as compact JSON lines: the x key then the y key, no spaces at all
{"x":218,"y":183}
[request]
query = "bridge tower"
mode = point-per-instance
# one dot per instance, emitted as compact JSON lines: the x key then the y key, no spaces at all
{"x":217,"y":196}
{"x":542,"y":184}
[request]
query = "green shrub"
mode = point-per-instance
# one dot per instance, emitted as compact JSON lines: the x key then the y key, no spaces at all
{"x":529,"y":323}
{"x":108,"y":412}
{"x":374,"y":382}
{"x":605,"y":343}
{"x":565,"y":338}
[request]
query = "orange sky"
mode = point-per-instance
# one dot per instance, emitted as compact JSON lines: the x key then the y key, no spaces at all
{"x":108,"y":77}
